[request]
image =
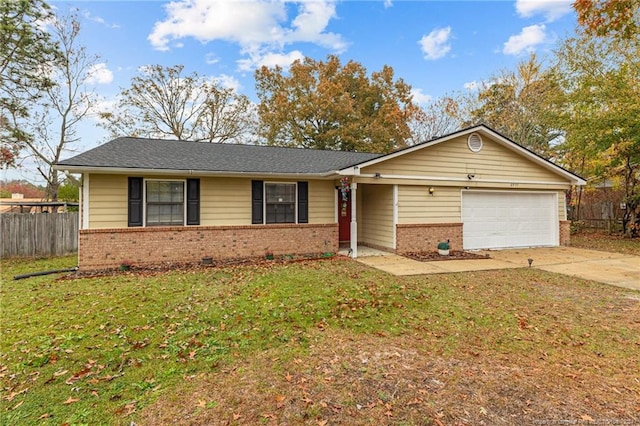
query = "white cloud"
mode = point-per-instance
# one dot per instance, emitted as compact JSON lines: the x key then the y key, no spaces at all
{"x":472,"y":85}
{"x":269,"y":59}
{"x":310,"y":24}
{"x":436,"y":44}
{"x":550,"y":9}
{"x":257,"y":26}
{"x":228,"y":82}
{"x":102,"y":105}
{"x":526,"y":41}
{"x":211,"y":59}
{"x":419,"y":97}
{"x":87,"y":15}
{"x":99,"y":74}
{"x":388,"y":3}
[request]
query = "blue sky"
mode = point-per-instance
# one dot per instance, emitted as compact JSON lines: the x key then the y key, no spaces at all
{"x":438,"y":47}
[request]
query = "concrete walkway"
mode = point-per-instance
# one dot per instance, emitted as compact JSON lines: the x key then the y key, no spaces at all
{"x":609,"y":268}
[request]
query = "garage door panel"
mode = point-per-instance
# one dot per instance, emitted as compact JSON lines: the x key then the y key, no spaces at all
{"x":509,"y":219}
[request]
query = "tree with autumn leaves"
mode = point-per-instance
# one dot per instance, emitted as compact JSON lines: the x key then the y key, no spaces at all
{"x":328,"y":105}
{"x":598,"y":109}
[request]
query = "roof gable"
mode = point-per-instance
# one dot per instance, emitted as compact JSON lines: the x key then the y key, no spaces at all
{"x":506,"y":144}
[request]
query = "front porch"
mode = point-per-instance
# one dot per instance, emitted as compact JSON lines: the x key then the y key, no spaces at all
{"x":368,"y":218}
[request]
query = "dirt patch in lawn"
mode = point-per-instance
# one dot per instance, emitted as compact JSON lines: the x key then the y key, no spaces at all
{"x":429,"y":256}
{"x":352,"y":379}
{"x":160,"y":268}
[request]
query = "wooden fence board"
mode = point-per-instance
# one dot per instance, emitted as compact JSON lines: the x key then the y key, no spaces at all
{"x":38,"y":235}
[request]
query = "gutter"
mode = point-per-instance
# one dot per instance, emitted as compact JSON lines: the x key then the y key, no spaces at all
{"x":175,"y":172}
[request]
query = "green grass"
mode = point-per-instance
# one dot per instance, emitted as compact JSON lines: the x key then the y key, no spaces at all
{"x":98,"y":350}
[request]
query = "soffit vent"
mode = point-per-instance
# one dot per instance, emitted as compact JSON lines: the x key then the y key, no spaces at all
{"x":474,"y":141}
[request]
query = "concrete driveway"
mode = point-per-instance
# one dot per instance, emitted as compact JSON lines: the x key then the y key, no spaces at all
{"x":609,"y":268}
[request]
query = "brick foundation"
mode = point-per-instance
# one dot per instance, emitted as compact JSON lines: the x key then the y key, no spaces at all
{"x":565,"y":232}
{"x":107,"y":248}
{"x":425,"y":237}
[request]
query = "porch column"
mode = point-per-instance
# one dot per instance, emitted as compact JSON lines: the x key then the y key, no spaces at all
{"x":84,"y":201}
{"x":354,"y":222}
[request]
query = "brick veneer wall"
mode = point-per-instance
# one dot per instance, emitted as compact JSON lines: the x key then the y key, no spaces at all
{"x":565,"y":232}
{"x":425,"y":237}
{"x":107,"y":248}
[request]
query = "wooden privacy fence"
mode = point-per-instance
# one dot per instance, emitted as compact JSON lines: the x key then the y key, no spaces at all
{"x":38,"y":235}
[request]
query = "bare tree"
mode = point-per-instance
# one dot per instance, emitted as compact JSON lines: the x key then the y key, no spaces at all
{"x":24,"y":47}
{"x":63,"y":105}
{"x":438,"y":118}
{"x":164,"y":103}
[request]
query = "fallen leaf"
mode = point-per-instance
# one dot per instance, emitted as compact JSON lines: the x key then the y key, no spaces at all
{"x":71,"y":400}
{"x":14,"y":394}
{"x":60,"y":373}
{"x":18,"y":404}
{"x":586,"y":418}
{"x":236,"y":416}
{"x":79,"y":375}
{"x":44,"y":416}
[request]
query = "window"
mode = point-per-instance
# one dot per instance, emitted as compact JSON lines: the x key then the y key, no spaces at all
{"x":279,"y":202}
{"x":165,"y":203}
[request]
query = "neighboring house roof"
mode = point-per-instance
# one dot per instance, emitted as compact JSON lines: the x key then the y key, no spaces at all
{"x":483,"y":130}
{"x":133,"y":154}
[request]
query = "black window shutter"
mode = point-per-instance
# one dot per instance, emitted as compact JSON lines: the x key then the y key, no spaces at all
{"x":257,"y":201}
{"x":135,"y":201}
{"x":193,"y":201}
{"x":303,"y":202}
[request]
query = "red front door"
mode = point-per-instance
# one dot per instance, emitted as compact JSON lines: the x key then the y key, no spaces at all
{"x":344,"y":218}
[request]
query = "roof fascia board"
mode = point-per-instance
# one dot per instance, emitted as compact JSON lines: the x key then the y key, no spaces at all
{"x":167,"y":172}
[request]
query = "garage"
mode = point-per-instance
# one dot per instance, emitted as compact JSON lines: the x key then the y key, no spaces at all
{"x":503,"y":219}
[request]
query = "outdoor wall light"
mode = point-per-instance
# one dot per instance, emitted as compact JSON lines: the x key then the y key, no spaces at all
{"x":431,"y":190}
{"x":470,"y":176}
{"x":377,"y":176}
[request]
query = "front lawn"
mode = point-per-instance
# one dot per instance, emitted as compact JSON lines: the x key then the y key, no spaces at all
{"x":316,"y":342}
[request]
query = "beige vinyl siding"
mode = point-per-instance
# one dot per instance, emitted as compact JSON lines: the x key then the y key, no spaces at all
{"x":377,"y":221}
{"x":225,"y":201}
{"x":322,"y":201}
{"x":454,"y":159}
{"x":107,"y":201}
{"x":416,"y":205}
{"x":562,"y":206}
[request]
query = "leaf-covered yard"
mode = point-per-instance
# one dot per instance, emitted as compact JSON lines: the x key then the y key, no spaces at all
{"x":317,"y":342}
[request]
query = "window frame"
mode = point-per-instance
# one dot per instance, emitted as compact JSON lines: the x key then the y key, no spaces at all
{"x":145,"y":202}
{"x":264,"y":202}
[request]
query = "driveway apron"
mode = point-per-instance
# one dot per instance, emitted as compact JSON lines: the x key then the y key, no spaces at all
{"x":609,"y":268}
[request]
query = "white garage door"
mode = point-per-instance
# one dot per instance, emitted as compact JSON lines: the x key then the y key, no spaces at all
{"x":509,"y":219}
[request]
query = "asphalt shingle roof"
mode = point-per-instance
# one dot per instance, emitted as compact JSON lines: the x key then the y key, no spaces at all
{"x":157,"y":154}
